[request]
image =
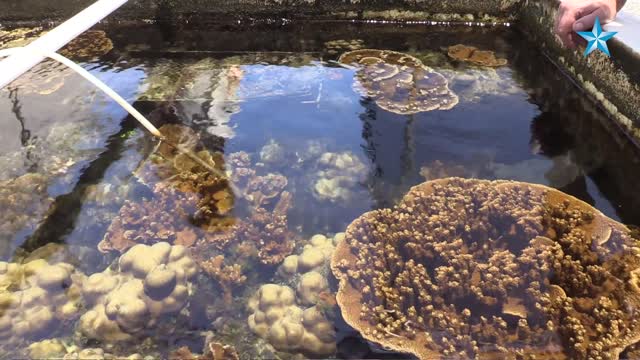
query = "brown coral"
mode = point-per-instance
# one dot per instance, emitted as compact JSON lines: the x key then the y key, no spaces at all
{"x":399,"y":83}
{"x":25,"y":202}
{"x":472,"y":55}
{"x":214,"y":351}
{"x":261,"y":189}
{"x":228,"y":276}
{"x":163,"y":218}
{"x":265,"y":229}
{"x":473,"y":268}
{"x":90,"y":45}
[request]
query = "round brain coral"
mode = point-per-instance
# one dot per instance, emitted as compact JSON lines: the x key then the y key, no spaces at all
{"x":476,"y":269}
{"x":399,"y":83}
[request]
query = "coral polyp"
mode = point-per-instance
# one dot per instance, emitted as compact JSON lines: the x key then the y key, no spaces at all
{"x":475,"y":268}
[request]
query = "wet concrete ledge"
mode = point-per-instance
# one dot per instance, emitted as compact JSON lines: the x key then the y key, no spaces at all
{"x":25,"y":10}
{"x":613,"y":82}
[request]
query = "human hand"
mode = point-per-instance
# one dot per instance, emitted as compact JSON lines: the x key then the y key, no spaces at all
{"x":580,"y":15}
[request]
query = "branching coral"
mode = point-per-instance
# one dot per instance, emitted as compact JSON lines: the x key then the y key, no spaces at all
{"x":18,"y":37}
{"x":189,"y":201}
{"x":214,"y":351}
{"x":268,"y":230}
{"x":228,"y":276}
{"x":472,"y":55}
{"x":166,"y":218}
{"x":334,"y":47}
{"x":399,"y":82}
{"x":149,"y":281}
{"x":473,"y":268}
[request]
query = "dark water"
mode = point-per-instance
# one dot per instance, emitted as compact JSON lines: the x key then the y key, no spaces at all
{"x":524,"y":121}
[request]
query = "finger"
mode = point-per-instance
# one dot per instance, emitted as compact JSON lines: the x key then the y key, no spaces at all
{"x":586,"y":22}
{"x":564,"y":28}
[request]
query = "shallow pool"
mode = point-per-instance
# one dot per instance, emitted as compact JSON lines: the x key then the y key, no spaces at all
{"x":307,"y":150}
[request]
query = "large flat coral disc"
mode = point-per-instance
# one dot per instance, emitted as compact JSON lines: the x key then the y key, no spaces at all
{"x":466,"y":268}
{"x":398,"y":82}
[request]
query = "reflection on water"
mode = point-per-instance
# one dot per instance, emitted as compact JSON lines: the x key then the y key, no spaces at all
{"x":118,"y":246}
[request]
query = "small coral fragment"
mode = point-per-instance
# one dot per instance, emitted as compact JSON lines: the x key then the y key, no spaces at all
{"x":472,"y":55}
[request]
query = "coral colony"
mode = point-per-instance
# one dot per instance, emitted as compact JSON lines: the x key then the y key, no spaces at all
{"x":458,"y":268}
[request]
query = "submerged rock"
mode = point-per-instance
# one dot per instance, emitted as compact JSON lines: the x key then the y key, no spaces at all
{"x":474,"y":268}
{"x":399,"y":83}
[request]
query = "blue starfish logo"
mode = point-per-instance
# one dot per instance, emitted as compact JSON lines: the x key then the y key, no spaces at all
{"x":597,"y":38}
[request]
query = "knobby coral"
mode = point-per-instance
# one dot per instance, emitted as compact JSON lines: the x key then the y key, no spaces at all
{"x":276,"y":317}
{"x":474,"y":268}
{"x":472,"y":55}
{"x":35,"y":298}
{"x":338,"y":176}
{"x":399,"y":82}
{"x":148,"y":282}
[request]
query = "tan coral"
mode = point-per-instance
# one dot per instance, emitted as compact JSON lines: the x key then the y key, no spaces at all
{"x":400,"y":83}
{"x":36,"y":297}
{"x":474,"y":268}
{"x":90,"y":45}
{"x":276,"y":318}
{"x":338,"y":175}
{"x":162,"y":218}
{"x":25,"y":202}
{"x":150,"y":281}
{"x":475,"y":56}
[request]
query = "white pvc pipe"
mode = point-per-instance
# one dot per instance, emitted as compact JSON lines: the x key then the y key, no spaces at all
{"x":94,"y":80}
{"x":55,"y":39}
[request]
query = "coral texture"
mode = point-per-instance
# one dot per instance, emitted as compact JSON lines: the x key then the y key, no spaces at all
{"x":473,"y":268}
{"x":228,"y":276}
{"x":35,"y":298}
{"x":338,"y":176}
{"x":148,"y":282}
{"x":24,"y":202}
{"x":475,"y":56}
{"x":276,"y":317}
{"x":398,"y":82}
{"x":90,"y":45}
